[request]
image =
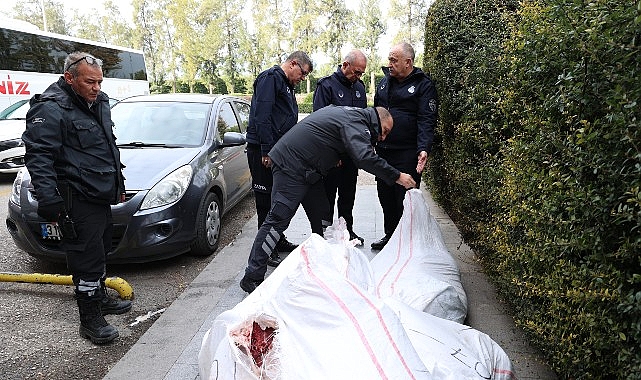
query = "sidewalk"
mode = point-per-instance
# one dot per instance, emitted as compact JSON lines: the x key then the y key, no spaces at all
{"x":169,"y":349}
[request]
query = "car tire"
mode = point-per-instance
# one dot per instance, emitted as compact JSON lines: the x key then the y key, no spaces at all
{"x":208,"y":225}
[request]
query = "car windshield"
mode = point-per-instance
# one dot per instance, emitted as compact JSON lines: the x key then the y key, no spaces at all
{"x":17,"y":110}
{"x":156,"y":124}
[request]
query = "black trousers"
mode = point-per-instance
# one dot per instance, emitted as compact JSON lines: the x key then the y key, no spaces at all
{"x":262,"y":182}
{"x":287,"y":194}
{"x":391,"y":196}
{"x":342,"y":179}
{"x":87,"y":255}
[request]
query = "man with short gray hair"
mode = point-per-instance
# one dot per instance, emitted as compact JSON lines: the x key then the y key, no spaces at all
{"x":273,"y":112}
{"x":410,"y":96}
{"x":343,"y":88}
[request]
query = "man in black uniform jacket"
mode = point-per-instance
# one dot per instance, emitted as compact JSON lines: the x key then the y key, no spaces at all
{"x":410,"y":96}
{"x":343,"y":88}
{"x":273,"y":112}
{"x":303,"y":156}
{"x":75,"y":170}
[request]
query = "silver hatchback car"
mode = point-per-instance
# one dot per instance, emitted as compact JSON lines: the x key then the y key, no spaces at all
{"x":185,"y":167}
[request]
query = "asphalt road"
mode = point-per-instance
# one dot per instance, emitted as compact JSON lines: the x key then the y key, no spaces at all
{"x":39,"y":322}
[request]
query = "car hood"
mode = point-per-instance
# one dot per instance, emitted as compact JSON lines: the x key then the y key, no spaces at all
{"x":12,"y":129}
{"x":144,"y":167}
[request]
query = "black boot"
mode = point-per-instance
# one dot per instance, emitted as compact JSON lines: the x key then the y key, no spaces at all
{"x":249,"y":285}
{"x":110,"y":305}
{"x":380,"y":244}
{"x":92,"y":324}
{"x":285,"y":245}
{"x":274,"y":259}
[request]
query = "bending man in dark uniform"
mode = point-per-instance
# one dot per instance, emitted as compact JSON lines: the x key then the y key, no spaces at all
{"x":343,"y":88}
{"x":303,"y":156}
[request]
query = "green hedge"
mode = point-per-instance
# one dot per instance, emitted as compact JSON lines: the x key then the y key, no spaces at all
{"x":305,"y":107}
{"x":538,"y":160}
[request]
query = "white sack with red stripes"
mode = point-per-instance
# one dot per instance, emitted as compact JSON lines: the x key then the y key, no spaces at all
{"x":326,"y":324}
{"x":416,"y":268}
{"x":317,"y":316}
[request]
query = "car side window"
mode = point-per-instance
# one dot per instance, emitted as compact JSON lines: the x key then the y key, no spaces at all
{"x":227,"y":120}
{"x":243,"y":115}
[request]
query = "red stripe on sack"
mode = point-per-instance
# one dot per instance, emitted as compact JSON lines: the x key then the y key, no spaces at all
{"x":387,"y":333}
{"x":397,"y":260}
{"x":345,"y":309}
{"x":505,"y":372}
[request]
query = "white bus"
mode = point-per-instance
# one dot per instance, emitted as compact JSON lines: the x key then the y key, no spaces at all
{"x":30,"y":60}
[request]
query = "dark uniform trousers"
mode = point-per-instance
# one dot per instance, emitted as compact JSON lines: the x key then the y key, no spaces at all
{"x":287,"y":194}
{"x":261,"y":182}
{"x":86,"y":255}
{"x":391,"y":196}
{"x":343,"y":179}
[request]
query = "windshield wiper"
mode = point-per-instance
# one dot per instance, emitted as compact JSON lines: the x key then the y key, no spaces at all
{"x":140,"y":144}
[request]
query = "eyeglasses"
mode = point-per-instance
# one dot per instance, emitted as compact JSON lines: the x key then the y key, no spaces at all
{"x":303,"y":72}
{"x":358,"y":73}
{"x":90,"y":60}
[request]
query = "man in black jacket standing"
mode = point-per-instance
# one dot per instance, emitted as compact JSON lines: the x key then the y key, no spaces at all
{"x":303,"y":156}
{"x":75,"y":170}
{"x":273,"y":112}
{"x":343,"y":88}
{"x":410,"y":96}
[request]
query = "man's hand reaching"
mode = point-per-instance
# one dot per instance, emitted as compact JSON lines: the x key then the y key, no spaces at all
{"x":406,"y":181}
{"x":422,"y":160}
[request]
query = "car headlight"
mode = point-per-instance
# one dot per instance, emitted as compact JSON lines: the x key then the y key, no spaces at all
{"x":169,"y":190}
{"x":17,"y":185}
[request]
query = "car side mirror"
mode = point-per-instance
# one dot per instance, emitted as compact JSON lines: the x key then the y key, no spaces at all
{"x":233,"y":139}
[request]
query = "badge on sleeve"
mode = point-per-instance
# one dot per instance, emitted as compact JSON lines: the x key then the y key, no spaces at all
{"x":432,"y":104}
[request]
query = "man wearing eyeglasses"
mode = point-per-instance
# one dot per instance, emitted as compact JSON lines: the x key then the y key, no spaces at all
{"x":343,"y":88}
{"x":75,"y":170}
{"x":410,"y":96}
{"x":273,"y":112}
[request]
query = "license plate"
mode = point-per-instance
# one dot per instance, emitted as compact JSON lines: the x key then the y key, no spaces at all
{"x":50,"y":231}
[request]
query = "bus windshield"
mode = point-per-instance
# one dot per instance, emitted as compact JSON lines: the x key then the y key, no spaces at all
{"x":31,"y":60}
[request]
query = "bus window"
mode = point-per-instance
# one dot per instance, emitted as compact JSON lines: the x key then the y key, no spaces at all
{"x":31,"y":60}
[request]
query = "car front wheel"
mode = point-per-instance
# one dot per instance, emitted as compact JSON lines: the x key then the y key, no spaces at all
{"x":208,"y":225}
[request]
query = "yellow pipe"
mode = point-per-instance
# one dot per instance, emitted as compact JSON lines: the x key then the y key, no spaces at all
{"x":121,"y":286}
{"x":116,"y":283}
